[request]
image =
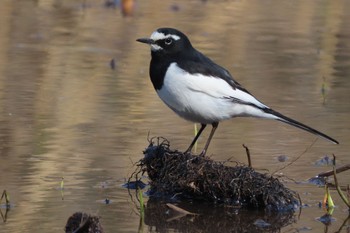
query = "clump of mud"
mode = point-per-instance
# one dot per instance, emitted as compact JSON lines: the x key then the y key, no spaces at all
{"x":81,"y":222}
{"x":187,"y":176}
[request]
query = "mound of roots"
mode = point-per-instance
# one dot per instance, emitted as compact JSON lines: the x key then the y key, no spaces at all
{"x":186,"y":176}
{"x":81,"y":222}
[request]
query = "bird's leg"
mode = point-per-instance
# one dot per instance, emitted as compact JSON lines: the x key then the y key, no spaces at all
{"x":196,"y":138}
{"x":215,"y":125}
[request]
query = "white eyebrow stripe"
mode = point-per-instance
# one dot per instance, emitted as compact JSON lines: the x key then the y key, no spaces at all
{"x":160,"y":36}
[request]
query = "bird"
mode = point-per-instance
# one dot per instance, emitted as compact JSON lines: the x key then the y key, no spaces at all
{"x":201,"y":91}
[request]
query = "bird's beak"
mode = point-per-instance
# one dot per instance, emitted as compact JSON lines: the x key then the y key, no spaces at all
{"x":146,"y":41}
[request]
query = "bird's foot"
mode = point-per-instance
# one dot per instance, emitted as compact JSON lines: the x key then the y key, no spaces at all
{"x":202,"y":154}
{"x":188,"y":151}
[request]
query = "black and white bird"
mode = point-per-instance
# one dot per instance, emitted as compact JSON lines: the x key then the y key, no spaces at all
{"x":199,"y":90}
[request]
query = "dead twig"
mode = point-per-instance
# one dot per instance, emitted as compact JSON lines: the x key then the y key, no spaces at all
{"x":179,"y":210}
{"x":340,"y":192}
{"x":248,"y":155}
{"x":338,"y":170}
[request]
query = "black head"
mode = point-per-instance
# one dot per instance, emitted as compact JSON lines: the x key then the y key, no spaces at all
{"x":167,"y":41}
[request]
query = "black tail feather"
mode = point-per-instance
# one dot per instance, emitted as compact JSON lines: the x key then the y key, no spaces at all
{"x":299,"y":125}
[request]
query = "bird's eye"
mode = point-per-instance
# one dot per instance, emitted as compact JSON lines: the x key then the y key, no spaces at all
{"x":168,"y":41}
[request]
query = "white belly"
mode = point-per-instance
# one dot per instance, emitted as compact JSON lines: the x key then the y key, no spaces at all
{"x":203,"y":99}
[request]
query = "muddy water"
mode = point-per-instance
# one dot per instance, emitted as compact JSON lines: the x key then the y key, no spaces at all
{"x":64,"y":112}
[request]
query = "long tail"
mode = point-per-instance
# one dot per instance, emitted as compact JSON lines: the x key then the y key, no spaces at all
{"x":299,"y":125}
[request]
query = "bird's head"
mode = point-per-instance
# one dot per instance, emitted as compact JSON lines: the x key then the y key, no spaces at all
{"x":167,"y":41}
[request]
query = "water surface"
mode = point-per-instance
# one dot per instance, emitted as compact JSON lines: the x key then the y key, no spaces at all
{"x":65,"y":113}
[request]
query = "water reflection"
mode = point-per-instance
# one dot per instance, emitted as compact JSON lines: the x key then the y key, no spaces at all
{"x":209,"y":218}
{"x":65,"y":113}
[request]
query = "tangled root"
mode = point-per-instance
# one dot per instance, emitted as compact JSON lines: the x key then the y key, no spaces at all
{"x":186,"y":176}
{"x":81,"y":222}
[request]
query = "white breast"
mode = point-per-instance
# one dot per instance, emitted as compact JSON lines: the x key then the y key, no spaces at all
{"x":204,"y":99}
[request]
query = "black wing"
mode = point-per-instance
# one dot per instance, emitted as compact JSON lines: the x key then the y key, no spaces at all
{"x":197,"y":63}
